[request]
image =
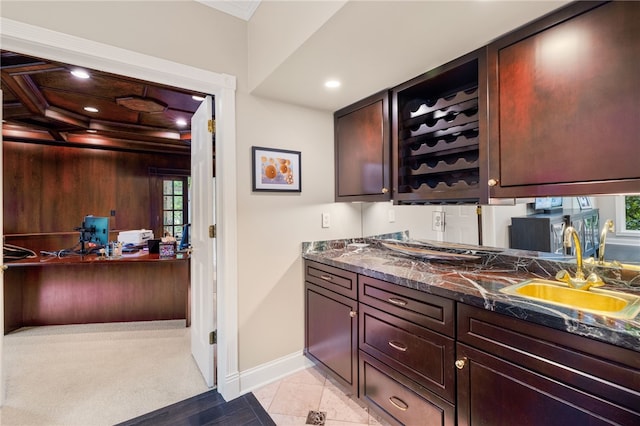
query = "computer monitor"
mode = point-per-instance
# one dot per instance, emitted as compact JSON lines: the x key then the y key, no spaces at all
{"x":184,"y":241}
{"x":94,"y":230}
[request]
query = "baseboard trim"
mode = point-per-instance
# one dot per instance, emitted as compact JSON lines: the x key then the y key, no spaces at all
{"x":264,"y":374}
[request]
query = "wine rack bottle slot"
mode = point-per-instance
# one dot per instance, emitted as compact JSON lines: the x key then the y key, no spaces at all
{"x":434,"y":146}
{"x":468,"y":107}
{"x":453,"y":130}
{"x":426,"y":106}
{"x":444,"y":123}
{"x":441,"y":167}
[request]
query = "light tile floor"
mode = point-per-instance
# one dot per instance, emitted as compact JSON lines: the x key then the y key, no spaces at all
{"x":289,"y":400}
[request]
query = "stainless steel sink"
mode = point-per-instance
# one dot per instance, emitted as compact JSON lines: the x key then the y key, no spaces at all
{"x":600,"y":301}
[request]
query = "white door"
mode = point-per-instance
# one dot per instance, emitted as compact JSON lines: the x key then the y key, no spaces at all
{"x":203,"y":256}
{"x":461,"y":224}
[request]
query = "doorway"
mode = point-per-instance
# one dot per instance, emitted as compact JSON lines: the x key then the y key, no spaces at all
{"x":41,"y":42}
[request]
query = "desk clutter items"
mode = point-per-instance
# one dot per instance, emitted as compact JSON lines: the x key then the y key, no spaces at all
{"x":11,"y":252}
{"x":136,"y":237}
{"x":154,"y":246}
{"x":113,"y":250}
{"x":167,"y":249}
{"x":167,"y":246}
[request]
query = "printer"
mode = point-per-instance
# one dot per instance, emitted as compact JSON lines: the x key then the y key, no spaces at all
{"x":136,"y":237}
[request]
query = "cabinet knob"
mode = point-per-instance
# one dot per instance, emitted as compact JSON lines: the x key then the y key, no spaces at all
{"x":353,"y":314}
{"x":492,"y":182}
{"x":460,"y":363}
{"x":385,"y":190}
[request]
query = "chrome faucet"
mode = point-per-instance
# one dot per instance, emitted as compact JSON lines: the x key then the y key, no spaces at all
{"x":608,"y":227}
{"x":579,"y":281}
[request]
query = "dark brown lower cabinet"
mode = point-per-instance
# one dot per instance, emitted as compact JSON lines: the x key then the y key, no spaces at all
{"x":419,"y":359}
{"x":331,"y":334}
{"x":402,"y":400}
{"x":520,"y":373}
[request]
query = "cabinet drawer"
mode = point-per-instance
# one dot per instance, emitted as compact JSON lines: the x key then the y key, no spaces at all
{"x":422,"y":355}
{"x":427,"y":310}
{"x":399,"y":399}
{"x":334,"y":279}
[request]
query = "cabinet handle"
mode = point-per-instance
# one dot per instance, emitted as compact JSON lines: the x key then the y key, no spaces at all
{"x":460,"y":363}
{"x":493,"y":182}
{"x":398,"y":346}
{"x":398,"y":403}
{"x":326,"y":277}
{"x":385,"y":190}
{"x":398,"y":302}
{"x":353,"y":314}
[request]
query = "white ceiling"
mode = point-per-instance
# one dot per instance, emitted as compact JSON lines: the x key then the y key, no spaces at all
{"x":374,"y":45}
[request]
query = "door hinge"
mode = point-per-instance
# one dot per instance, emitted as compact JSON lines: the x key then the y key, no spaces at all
{"x":213,"y":337}
{"x":211,"y":126}
{"x":212,"y":231}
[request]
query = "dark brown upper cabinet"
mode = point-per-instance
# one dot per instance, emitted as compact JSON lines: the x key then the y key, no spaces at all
{"x":439,"y":128}
{"x":362,"y":150}
{"x":564,"y":102}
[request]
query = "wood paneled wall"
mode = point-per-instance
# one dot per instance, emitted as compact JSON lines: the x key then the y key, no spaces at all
{"x":49,"y":189}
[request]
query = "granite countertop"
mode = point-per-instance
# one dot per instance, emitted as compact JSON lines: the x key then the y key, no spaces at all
{"x":475,"y":274}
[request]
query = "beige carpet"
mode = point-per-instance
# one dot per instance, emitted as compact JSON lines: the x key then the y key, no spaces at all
{"x":96,"y":374}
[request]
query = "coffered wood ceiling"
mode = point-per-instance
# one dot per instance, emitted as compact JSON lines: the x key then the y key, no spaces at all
{"x":44,"y":103}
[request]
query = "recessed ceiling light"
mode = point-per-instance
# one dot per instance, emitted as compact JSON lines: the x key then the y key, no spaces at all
{"x":91,"y":109}
{"x":331,"y":84}
{"x":181,"y":122}
{"x":80,"y":73}
{"x":197,"y":98}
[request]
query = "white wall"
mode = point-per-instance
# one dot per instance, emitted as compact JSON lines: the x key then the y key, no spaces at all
{"x":273,"y":225}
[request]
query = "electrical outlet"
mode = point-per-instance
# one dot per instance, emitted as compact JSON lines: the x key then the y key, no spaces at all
{"x":437,"y":223}
{"x":392,"y":215}
{"x":326,"y":220}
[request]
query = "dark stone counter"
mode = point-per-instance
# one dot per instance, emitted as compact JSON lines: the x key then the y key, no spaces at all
{"x":474,"y":275}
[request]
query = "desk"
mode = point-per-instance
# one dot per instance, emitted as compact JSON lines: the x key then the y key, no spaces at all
{"x":87,"y":289}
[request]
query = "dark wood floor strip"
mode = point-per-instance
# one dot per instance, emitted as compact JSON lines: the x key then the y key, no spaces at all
{"x":208,"y":408}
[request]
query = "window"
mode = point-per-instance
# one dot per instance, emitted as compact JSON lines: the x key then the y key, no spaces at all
{"x":628,"y":215}
{"x":175,"y":200}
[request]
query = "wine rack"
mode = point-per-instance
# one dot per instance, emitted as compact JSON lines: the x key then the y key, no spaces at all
{"x":436,"y":136}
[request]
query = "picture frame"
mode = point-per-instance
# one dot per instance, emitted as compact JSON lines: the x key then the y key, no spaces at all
{"x":276,"y":170}
{"x":584,"y":203}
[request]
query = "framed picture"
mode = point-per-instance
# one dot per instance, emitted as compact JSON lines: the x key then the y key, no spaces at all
{"x":276,"y":170}
{"x":584,"y":202}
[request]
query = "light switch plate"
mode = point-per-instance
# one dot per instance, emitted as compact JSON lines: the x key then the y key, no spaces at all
{"x":392,"y":215}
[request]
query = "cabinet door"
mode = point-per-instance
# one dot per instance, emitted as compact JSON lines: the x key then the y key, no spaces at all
{"x":362,"y":150}
{"x":492,"y":391}
{"x":331,"y":334}
{"x":516,"y":372}
{"x":564,"y":102}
